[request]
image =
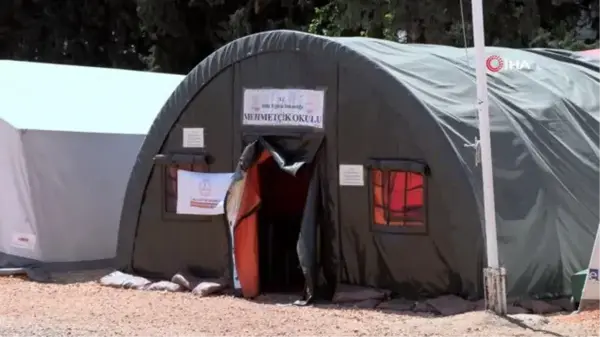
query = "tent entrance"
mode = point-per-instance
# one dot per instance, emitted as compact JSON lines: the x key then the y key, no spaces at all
{"x":283,"y":197}
{"x":271,"y":210}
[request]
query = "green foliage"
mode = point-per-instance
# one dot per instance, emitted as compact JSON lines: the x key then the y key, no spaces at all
{"x":84,"y":32}
{"x":174,"y":35}
{"x":325,"y":21}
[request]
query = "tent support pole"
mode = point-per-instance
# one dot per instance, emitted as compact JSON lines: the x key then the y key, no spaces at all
{"x":494,"y":275}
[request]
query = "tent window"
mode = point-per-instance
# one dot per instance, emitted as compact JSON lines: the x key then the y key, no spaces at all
{"x":398,"y":200}
{"x":170,"y":182}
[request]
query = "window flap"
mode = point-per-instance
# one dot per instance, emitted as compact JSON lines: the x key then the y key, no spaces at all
{"x":399,"y":165}
{"x":169,"y":159}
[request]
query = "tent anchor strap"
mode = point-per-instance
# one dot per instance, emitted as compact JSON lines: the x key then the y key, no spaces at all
{"x":477,"y":146}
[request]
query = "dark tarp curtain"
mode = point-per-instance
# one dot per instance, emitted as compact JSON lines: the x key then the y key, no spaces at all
{"x":307,"y":241}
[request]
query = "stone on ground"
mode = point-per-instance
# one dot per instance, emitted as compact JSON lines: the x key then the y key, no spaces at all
{"x":207,"y":288}
{"x":397,"y":304}
{"x":451,"y":305}
{"x":164,"y":286}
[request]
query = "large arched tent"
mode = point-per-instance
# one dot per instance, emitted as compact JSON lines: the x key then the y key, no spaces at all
{"x":381,"y":132}
{"x":69,"y":136}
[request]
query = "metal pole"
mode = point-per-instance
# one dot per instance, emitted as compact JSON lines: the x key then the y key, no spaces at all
{"x":494,"y":276}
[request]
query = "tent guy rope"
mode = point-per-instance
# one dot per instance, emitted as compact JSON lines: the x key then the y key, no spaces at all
{"x":494,"y":275}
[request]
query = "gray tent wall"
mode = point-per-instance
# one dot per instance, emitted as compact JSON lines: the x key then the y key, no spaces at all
{"x":391,"y":100}
{"x":76,"y":184}
{"x":67,"y":151}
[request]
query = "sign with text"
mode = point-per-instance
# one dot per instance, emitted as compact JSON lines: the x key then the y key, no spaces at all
{"x":283,"y":107}
{"x":591,"y":287}
{"x":352,"y":175}
{"x":201,"y":193}
{"x":193,"y":137}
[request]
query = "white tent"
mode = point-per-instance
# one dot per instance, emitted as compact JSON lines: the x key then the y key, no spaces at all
{"x":69,"y":137}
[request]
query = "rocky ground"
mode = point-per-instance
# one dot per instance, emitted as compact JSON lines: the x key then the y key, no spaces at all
{"x":86,"y":308}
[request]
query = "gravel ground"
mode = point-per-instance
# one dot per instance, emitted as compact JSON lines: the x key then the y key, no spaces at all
{"x":86,"y":308}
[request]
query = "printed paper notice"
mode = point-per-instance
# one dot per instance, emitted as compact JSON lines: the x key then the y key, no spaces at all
{"x":591,"y":287}
{"x":23,"y":240}
{"x":283,"y":107}
{"x":352,"y":175}
{"x":193,"y":137}
{"x":201,"y":193}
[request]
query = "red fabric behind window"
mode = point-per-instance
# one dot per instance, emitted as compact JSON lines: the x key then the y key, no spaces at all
{"x":398,"y":198}
{"x":406,"y":191}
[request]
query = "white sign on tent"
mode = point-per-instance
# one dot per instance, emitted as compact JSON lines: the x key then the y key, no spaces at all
{"x":201,"y":193}
{"x":284,"y":107}
{"x":591,"y":288}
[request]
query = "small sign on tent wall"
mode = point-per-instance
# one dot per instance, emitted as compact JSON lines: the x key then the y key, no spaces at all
{"x":283,"y":107}
{"x":201,"y":193}
{"x":193,"y":137}
{"x":352,"y":175}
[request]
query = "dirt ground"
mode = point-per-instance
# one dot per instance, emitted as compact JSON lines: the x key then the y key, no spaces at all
{"x":87,"y":308}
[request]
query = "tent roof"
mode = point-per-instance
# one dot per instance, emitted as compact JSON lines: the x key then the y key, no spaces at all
{"x":594,"y":52}
{"x":591,"y":54}
{"x":45,"y":96}
{"x":442,"y":76}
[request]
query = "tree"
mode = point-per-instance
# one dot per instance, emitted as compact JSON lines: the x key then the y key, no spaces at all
{"x":185,"y":32}
{"x":175,"y":35}
{"x":568,"y":24}
{"x":82,"y":32}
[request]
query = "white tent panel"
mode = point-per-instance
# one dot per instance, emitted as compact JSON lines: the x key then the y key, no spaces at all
{"x":77,"y":188}
{"x":69,"y":137}
{"x":17,"y":219}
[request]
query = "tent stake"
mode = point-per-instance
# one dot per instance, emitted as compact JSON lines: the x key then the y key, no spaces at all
{"x":494,"y":275}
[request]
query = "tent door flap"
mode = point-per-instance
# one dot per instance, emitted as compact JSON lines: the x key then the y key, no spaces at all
{"x":267,"y":226}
